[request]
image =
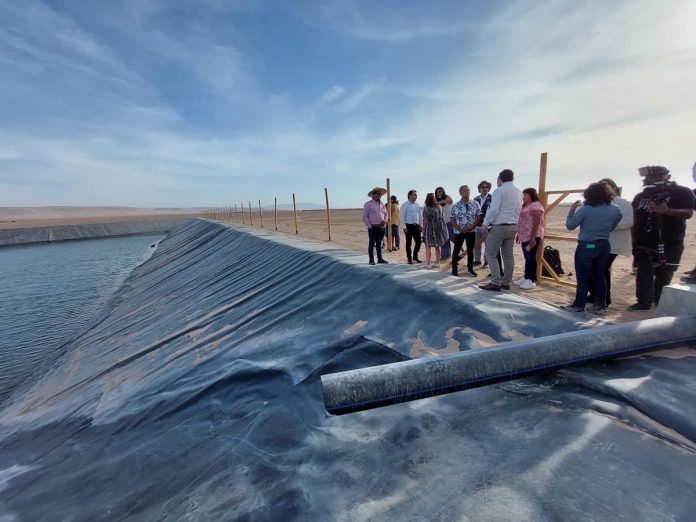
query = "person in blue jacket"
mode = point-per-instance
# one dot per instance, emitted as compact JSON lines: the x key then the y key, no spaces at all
{"x":596,"y":219}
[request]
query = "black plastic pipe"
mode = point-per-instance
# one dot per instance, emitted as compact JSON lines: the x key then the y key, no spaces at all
{"x":378,"y":386}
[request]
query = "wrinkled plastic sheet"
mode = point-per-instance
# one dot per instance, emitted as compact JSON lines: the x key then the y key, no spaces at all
{"x":196,"y":395}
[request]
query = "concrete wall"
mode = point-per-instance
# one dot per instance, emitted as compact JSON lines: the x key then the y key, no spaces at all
{"x":21,"y":236}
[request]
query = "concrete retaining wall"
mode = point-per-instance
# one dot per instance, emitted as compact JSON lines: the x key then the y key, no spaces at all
{"x":20,"y":236}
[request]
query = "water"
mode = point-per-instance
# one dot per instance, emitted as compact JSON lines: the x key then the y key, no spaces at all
{"x":50,"y":292}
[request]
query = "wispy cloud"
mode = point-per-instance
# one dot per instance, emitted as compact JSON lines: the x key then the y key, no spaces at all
{"x":153,"y":103}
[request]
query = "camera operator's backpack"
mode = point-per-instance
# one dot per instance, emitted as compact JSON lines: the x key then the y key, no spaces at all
{"x":553,"y":258}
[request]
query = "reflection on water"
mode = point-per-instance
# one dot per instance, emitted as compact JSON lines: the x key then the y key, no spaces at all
{"x":49,"y":292}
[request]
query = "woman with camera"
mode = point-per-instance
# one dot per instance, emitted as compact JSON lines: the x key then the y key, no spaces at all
{"x":619,"y":239}
{"x":596,"y":219}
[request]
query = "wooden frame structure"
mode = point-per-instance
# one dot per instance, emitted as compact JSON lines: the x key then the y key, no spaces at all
{"x":544,"y":198}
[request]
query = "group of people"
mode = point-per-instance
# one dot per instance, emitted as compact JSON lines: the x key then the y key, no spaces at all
{"x":445,"y":227}
{"x":651,"y":229}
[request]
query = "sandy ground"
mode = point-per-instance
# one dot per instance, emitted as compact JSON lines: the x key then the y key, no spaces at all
{"x":25,"y":217}
{"x":348,"y":231}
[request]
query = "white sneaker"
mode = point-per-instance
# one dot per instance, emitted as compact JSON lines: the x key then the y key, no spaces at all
{"x":520,"y":281}
{"x":528,"y":285}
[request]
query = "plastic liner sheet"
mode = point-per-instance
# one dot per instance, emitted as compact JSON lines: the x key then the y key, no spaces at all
{"x":196,"y":396}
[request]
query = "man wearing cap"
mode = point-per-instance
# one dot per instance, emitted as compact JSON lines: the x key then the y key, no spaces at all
{"x":395,"y":221}
{"x":659,"y":225}
{"x":375,"y":218}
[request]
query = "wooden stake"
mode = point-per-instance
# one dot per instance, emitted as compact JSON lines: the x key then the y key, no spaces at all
{"x":236,"y":215}
{"x":544,"y":197}
{"x":275,"y":212}
{"x":243,"y":220}
{"x":294,"y":209}
{"x":251,"y":218}
{"x":260,"y":214}
{"x":389,"y":234}
{"x":328,"y":213}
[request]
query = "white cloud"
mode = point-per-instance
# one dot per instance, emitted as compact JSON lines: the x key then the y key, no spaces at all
{"x":604,"y":89}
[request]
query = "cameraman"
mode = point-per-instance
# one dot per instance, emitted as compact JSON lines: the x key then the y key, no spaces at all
{"x":660,"y":214}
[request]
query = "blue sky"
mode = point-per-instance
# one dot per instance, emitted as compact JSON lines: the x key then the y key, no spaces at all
{"x":212,"y":102}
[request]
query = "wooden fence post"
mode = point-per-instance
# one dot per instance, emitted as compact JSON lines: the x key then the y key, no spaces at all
{"x":544,"y":197}
{"x":275,"y":212}
{"x":243,"y":219}
{"x":294,"y":209}
{"x":328,"y":212}
{"x":389,"y":234}
{"x":260,"y":214}
{"x":251,"y":218}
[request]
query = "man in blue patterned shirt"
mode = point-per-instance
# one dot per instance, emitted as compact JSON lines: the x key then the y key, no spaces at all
{"x":466,"y":215}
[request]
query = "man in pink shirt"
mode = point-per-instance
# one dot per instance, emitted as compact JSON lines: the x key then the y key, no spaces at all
{"x":375,"y":218}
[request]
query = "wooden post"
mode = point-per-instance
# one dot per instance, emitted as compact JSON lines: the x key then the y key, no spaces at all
{"x":294,"y":209}
{"x":275,"y":212}
{"x":251,"y":218}
{"x":236,"y":215}
{"x":389,"y":234}
{"x":243,"y":220}
{"x":328,"y":213}
{"x":544,"y":197}
{"x":260,"y":214}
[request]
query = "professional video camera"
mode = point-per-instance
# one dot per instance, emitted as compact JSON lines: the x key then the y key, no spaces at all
{"x":658,"y":189}
{"x":656,"y":184}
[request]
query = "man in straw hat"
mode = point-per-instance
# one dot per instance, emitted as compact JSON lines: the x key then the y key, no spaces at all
{"x":375,"y":219}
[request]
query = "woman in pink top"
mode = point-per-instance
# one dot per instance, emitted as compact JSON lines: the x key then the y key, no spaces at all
{"x":530,"y":231}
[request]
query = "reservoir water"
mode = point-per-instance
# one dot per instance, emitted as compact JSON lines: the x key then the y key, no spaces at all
{"x":49,"y":292}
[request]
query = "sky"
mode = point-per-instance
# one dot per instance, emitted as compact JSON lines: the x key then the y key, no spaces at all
{"x":185,"y":103}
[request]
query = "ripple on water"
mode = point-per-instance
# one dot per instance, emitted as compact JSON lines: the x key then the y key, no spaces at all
{"x":49,"y":292}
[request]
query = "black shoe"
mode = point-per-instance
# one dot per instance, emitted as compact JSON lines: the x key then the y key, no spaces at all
{"x":505,"y":287}
{"x":410,"y":262}
{"x":477,"y":263}
{"x":383,"y":262}
{"x":372,"y":262}
{"x":638,"y":307}
{"x":471,"y":273}
{"x":417,"y":261}
{"x":455,"y":273}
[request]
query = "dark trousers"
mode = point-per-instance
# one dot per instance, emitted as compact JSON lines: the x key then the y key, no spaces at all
{"x":395,"y":235}
{"x":530,"y":260}
{"x":591,"y":258}
{"x":459,"y":239}
{"x":607,"y":279}
{"x":413,"y":233}
{"x":446,"y":246}
{"x":376,"y":235}
{"x":653,"y":277}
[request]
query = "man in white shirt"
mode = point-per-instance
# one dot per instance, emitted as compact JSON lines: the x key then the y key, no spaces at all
{"x":412,"y":220}
{"x":501,"y":221}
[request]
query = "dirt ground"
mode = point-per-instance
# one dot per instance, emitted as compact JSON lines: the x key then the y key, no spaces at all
{"x":348,"y":231}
